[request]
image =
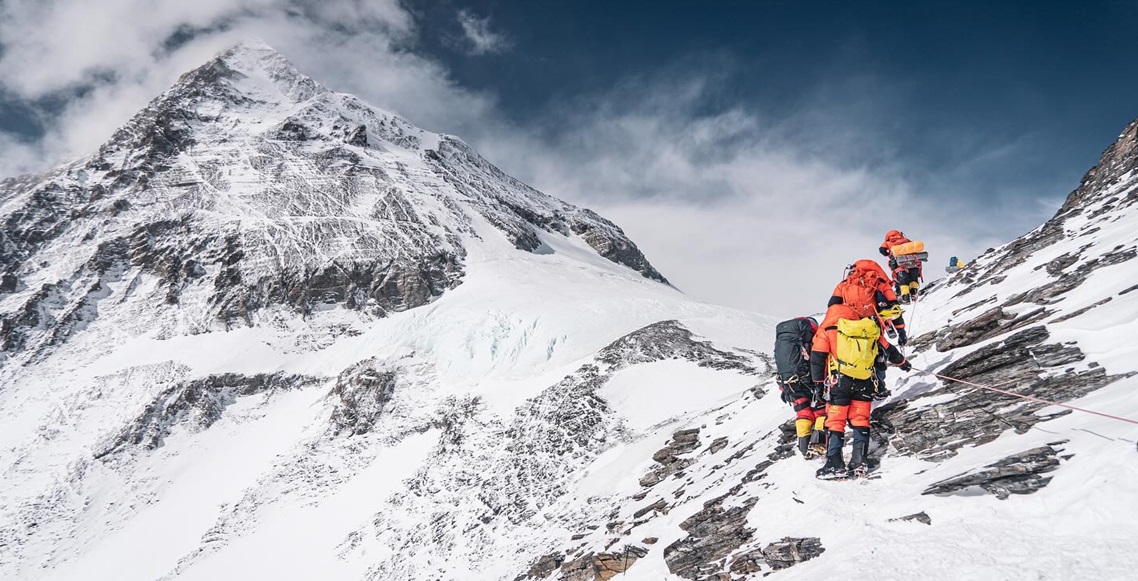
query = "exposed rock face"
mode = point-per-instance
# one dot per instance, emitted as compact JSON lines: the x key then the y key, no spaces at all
{"x":381,"y":288}
{"x":520,"y":211}
{"x":361,"y":392}
{"x":785,"y":449}
{"x":713,"y":534}
{"x":1052,"y":292}
{"x":717,"y":445}
{"x":197,"y":404}
{"x":991,"y":323}
{"x":1017,"y":474}
{"x":1116,"y":165}
{"x":601,"y":566}
{"x":670,"y":340}
{"x":1022,"y":363}
{"x":921,"y":517}
{"x":682,"y":442}
{"x":544,"y":567}
{"x":791,"y":551}
{"x":609,"y":241}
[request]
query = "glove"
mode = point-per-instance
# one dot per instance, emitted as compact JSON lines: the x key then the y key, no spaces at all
{"x":902,"y":338}
{"x":786,"y":395}
{"x":883,"y":250}
{"x":906,"y":366}
{"x":881,"y":393}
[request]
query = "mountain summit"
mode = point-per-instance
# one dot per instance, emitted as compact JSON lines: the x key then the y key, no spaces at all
{"x":247,"y":186}
{"x":268,"y":331}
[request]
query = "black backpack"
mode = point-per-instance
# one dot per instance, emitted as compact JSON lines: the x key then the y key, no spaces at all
{"x":792,"y":343}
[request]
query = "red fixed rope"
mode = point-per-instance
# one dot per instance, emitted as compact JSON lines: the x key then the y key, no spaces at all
{"x":1029,"y":397}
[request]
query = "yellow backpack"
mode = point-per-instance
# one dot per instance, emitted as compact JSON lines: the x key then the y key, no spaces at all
{"x":857,"y":347}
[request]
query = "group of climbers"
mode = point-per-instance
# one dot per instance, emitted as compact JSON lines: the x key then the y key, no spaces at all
{"x":830,"y":373}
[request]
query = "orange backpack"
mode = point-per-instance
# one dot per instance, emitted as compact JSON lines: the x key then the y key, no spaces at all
{"x":859,"y":289}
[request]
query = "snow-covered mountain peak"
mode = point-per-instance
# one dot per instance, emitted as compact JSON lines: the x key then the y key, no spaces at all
{"x":247,"y":188}
{"x":255,"y":70}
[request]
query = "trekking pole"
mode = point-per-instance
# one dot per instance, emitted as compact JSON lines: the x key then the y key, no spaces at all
{"x":1027,"y":397}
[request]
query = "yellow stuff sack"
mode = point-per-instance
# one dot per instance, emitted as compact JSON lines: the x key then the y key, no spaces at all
{"x":857,"y":347}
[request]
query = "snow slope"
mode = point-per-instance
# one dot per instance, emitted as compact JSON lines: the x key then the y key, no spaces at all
{"x":481,"y":382}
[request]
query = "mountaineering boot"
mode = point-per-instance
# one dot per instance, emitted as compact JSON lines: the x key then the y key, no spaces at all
{"x":803,"y":427}
{"x":817,"y":439}
{"x":834,"y":467}
{"x":859,"y":453}
{"x":804,"y":447}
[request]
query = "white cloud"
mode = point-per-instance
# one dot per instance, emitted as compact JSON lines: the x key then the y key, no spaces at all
{"x":106,"y":69}
{"x":734,"y":208}
{"x":480,"y":39}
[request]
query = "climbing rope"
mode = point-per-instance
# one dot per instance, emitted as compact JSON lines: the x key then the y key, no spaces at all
{"x":911,"y":325}
{"x":1027,"y":397}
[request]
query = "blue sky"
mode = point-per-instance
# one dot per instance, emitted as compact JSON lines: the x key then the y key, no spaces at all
{"x":729,"y":139}
{"x":936,"y":82}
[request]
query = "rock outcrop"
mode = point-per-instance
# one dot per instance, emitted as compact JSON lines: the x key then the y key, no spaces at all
{"x":197,"y":405}
{"x":1017,"y":474}
{"x":601,"y":566}
{"x":361,"y":392}
{"x":1022,"y":363}
{"x":682,"y":442}
{"x":713,"y":533}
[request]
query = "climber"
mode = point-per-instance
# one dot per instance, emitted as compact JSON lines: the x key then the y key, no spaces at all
{"x":842,"y":359}
{"x":905,"y":257}
{"x":954,"y":265}
{"x":867,"y":290}
{"x":792,"y":344}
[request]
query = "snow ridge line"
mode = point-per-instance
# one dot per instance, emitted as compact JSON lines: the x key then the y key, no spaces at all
{"x":1028,"y":397}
